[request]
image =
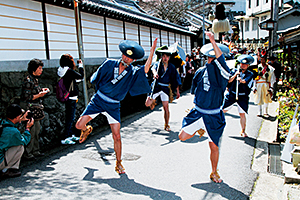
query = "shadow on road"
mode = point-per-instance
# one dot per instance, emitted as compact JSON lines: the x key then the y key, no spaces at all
{"x":212,"y":189}
{"x":126,"y":185}
{"x":171,"y":136}
{"x":251,"y":142}
{"x":248,"y":140}
{"x":232,"y":115}
{"x":196,"y":139}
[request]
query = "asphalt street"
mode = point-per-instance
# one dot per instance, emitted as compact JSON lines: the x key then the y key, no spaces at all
{"x":158,"y":165}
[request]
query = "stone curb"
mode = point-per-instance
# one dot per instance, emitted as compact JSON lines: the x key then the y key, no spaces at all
{"x":271,"y":186}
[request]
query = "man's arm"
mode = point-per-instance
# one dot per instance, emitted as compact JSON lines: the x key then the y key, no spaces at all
{"x":233,"y":77}
{"x":217,"y":50}
{"x":149,"y":60}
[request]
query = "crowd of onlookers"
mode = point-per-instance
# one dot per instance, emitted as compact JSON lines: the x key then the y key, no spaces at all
{"x":16,"y":144}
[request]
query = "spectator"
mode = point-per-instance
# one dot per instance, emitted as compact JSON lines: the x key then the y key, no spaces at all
{"x":182,"y":71}
{"x":70,"y":77}
{"x":277,"y":67}
{"x":258,"y":55}
{"x":263,"y":87}
{"x":12,"y":141}
{"x":31,"y":97}
{"x":189,"y":75}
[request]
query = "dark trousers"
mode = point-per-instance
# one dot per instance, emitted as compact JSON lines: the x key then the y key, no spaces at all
{"x":33,"y":147}
{"x":70,"y":116}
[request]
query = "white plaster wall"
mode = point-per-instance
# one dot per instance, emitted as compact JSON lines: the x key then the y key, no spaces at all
{"x":145,"y":38}
{"x":155,"y":34}
{"x":93,"y":36}
{"x":21,"y":30}
{"x":114,"y":36}
{"x":131,"y":32}
{"x":254,"y":9}
{"x":172,"y":38}
{"x":164,"y":38}
{"x":61,"y":32}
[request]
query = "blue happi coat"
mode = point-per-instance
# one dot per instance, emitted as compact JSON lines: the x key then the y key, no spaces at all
{"x":208,"y":86}
{"x":170,"y":76}
{"x":244,"y":90}
{"x":112,"y":88}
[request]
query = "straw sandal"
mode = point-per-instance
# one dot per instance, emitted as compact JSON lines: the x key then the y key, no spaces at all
{"x":167,"y":127}
{"x":153,"y":104}
{"x":200,"y":132}
{"x":215,"y":177}
{"x":243,"y":134}
{"x":119,"y":167}
{"x":85,"y":134}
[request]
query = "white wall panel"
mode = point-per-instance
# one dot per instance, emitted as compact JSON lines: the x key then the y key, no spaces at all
{"x":131,"y":31}
{"x":164,"y":38}
{"x":145,"y":38}
{"x":61,"y":31}
{"x":93,"y":35}
{"x":189,"y":44}
{"x":155,"y":34}
{"x":171,"y":38}
{"x":114,"y":36}
{"x":21,"y":30}
{"x":184,"y":43}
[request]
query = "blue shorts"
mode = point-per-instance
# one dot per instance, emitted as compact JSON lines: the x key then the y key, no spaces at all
{"x":214,"y":124}
{"x":98,"y":105}
{"x":243,"y":101}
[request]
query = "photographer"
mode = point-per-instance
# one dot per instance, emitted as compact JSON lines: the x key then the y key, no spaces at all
{"x":12,"y":142}
{"x":70,"y":78}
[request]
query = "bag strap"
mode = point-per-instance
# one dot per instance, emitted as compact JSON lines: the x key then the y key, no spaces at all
{"x":71,"y":86}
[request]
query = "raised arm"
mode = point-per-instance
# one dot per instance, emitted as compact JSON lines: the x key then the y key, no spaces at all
{"x":217,"y":50}
{"x":149,"y":60}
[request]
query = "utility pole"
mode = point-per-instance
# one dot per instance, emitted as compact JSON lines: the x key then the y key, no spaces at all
{"x":80,"y":48}
{"x":203,"y":24}
{"x":273,"y":17}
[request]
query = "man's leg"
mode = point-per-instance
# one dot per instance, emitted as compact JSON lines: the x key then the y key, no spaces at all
{"x":115,"y":128}
{"x":13,"y":156}
{"x":166,"y":113}
{"x":214,"y":159}
{"x":85,"y":130}
{"x":82,"y":121}
{"x":183,"y":136}
{"x":148,"y":101}
{"x":260,"y":113}
{"x":266,"y":106}
{"x":243,"y":123}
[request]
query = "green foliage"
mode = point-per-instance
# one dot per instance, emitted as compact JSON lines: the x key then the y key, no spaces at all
{"x":289,"y":97}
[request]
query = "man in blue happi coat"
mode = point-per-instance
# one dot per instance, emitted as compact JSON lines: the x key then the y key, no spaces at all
{"x":165,"y":73}
{"x":208,"y":86}
{"x":244,"y":79}
{"x":113,"y":80}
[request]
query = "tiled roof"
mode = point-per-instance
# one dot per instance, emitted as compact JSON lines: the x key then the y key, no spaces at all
{"x":122,"y":10}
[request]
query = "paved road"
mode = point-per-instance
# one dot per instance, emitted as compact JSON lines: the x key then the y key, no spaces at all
{"x":158,"y":165}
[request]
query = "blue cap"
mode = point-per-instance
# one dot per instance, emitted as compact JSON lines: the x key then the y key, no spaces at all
{"x":245,"y":59}
{"x":208,"y":49}
{"x":131,"y":49}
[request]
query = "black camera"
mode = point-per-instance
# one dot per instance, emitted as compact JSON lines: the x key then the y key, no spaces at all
{"x":29,"y":115}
